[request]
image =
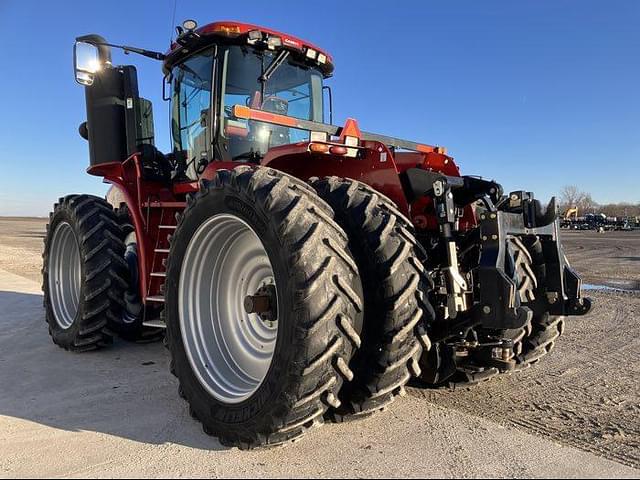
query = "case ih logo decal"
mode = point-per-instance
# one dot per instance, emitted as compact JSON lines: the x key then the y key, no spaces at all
{"x":292,"y":43}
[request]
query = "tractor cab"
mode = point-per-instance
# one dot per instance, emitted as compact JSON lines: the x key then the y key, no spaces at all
{"x":231,"y":65}
{"x":210,"y":71}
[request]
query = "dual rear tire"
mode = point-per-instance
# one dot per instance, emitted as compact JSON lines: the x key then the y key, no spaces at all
{"x":393,"y":337}
{"x":250,"y":380}
{"x":339,"y":339}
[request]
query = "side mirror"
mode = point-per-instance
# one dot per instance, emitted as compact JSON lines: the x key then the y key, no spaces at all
{"x":86,"y":62}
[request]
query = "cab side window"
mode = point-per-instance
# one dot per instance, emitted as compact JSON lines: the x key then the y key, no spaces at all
{"x":191,"y":110}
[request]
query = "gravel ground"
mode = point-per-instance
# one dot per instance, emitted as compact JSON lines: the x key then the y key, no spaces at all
{"x":117,"y":413}
{"x":586,"y":393}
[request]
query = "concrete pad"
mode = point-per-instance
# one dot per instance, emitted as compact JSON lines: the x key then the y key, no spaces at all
{"x":116,"y":413}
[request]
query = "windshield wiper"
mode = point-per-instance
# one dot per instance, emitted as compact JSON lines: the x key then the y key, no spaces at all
{"x":270,"y":70}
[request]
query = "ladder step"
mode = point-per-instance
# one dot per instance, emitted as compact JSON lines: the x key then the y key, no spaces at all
{"x":161,"y":250}
{"x":167,"y":227}
{"x":159,"y":274}
{"x":155,"y":324}
{"x":155,"y":298}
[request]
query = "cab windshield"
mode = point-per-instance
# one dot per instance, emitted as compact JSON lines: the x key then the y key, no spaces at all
{"x":293,"y":89}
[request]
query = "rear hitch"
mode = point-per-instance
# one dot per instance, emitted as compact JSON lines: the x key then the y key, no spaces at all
{"x":495,"y":305}
{"x":489,"y":297}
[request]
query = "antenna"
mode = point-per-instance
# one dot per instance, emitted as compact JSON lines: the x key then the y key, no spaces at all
{"x":173,"y":20}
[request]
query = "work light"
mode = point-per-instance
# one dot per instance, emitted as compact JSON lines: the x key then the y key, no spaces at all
{"x":189,"y":25}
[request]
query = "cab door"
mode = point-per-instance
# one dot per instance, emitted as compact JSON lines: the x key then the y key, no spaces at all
{"x":192,"y":111}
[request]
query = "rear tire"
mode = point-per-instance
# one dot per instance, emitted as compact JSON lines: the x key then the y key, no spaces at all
{"x":84,"y":272}
{"x":318,"y":312}
{"x":536,"y":340}
{"x":393,"y":280}
{"x":439,"y":365}
{"x":531,"y":342}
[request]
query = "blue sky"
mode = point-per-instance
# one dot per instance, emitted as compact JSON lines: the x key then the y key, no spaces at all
{"x":536,"y":94}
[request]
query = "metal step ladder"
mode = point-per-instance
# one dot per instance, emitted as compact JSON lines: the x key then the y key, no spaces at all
{"x":160,"y":253}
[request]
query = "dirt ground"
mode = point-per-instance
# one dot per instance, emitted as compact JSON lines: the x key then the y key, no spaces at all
{"x":587,"y":392}
{"x":21,"y":243}
{"x":604,"y":258}
{"x":116,"y":412}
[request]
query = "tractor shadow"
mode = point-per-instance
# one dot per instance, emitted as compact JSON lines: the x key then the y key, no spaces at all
{"x":630,"y":259}
{"x":125,"y":390}
{"x":31,"y":234}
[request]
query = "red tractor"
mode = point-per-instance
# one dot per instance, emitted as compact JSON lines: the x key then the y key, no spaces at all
{"x":298,"y":270}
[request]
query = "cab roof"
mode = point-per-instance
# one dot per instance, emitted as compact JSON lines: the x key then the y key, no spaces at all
{"x":239,"y":33}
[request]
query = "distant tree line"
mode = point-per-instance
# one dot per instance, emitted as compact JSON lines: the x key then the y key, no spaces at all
{"x":571,"y":196}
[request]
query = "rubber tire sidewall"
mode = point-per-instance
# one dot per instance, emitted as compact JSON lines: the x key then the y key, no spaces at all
{"x":64,"y":337}
{"x":245,"y":415}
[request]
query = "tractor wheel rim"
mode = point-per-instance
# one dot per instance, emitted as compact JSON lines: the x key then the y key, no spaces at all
{"x":230,"y":350}
{"x":65,"y":275}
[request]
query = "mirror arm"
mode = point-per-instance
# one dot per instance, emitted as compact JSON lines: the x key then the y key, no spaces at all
{"x":165,"y":81}
{"x":105,"y":53}
{"x":139,"y":51}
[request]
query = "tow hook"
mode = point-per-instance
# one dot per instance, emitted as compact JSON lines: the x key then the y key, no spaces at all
{"x":498,"y":354}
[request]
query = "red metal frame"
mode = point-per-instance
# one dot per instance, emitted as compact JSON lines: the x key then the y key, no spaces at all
{"x":150,"y":202}
{"x":372,"y":159}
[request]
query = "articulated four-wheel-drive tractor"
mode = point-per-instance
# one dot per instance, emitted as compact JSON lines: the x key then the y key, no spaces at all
{"x":297,"y":270}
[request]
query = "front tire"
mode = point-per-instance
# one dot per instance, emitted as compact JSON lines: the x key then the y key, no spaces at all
{"x":254,"y":381}
{"x":84,"y":272}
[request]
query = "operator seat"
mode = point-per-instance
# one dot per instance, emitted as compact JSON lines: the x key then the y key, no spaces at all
{"x":279,"y":134}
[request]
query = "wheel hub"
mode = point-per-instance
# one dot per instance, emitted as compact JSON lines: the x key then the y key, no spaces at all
{"x":263,"y":303}
{"x":227,"y":308}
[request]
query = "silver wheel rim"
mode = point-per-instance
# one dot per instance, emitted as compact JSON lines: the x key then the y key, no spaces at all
{"x":65,"y":272}
{"x":230,"y":351}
